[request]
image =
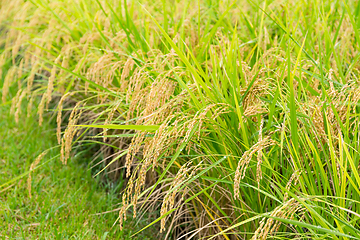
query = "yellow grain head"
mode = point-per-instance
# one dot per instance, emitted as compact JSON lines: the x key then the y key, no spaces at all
{"x":31,"y":77}
{"x":14,"y":101}
{"x":2,"y":62}
{"x":30,"y":105}
{"x":292,"y":181}
{"x":184,"y":173}
{"x":259,"y":154}
{"x":70,"y":132}
{"x":20,"y":72}
{"x":32,"y":166}
{"x":18,"y":106}
{"x":8,"y":82}
{"x":269,"y":226}
{"x":50,"y":87}
{"x":41,"y":109}
{"x":245,"y":160}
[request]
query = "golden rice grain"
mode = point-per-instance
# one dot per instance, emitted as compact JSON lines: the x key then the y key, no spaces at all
{"x":292,"y":181}
{"x":129,"y":64}
{"x":59,"y":114}
{"x":20,"y":72}
{"x":18,"y":106}
{"x":15,"y":100}
{"x":245,"y":160}
{"x":259,"y":154}
{"x":31,"y":77}
{"x":30,"y":105}
{"x":50,"y":87}
{"x":32,"y":167}
{"x":69,"y":133}
{"x":41,"y":109}
{"x":179,"y":180}
{"x":270,"y":226}
{"x":8,"y":82}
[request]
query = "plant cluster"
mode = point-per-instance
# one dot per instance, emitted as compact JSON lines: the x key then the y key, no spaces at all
{"x":238,"y":119}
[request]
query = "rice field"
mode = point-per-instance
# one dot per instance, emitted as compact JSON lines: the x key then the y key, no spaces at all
{"x":231,"y":119}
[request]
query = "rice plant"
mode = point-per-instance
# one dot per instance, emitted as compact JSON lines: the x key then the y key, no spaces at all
{"x":235,"y":119}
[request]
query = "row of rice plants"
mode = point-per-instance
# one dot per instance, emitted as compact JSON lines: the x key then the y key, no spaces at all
{"x":237,"y":119}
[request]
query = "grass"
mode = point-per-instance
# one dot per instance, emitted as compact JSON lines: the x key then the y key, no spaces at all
{"x":233,"y":119}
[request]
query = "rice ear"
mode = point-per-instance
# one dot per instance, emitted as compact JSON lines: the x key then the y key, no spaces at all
{"x":32,"y":167}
